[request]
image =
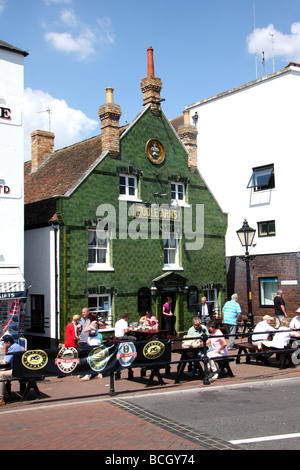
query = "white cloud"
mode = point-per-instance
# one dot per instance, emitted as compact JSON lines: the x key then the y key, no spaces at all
{"x":78,"y":37}
{"x":69,"y":125}
{"x":83,"y":44}
{"x":286,"y":46}
{"x":2,"y":5}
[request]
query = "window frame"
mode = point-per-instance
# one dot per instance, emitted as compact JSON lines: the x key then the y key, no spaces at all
{"x":176,"y":200}
{"x":102,"y":313}
{"x":269,"y":184}
{"x":127,"y":196}
{"x":98,"y":265}
{"x":167,"y":236}
{"x":262,"y":298}
{"x":268,"y":234}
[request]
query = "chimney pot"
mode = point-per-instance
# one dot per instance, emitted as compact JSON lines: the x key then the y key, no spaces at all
{"x":109,"y":95}
{"x":150,"y":62}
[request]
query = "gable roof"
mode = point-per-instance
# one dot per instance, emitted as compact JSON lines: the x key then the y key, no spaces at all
{"x":61,"y":171}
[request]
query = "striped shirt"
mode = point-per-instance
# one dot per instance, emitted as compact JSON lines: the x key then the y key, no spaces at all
{"x":231,"y":310}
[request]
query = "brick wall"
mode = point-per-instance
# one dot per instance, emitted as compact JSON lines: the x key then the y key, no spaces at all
{"x":284,"y":266}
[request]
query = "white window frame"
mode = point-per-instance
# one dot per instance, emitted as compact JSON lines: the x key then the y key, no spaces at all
{"x":97,"y":247}
{"x":167,"y":236}
{"x":176,"y":190}
{"x":127,"y":196}
{"x":103,"y":308}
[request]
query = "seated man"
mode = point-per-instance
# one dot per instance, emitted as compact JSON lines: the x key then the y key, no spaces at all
{"x":295,"y":324}
{"x":122,"y":329}
{"x":9,"y":347}
{"x":263,"y":330}
{"x":281,"y":338}
{"x":197,"y":330}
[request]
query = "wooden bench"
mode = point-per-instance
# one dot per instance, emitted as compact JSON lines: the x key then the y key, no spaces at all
{"x":224,"y":366}
{"x":263,"y":354}
{"x":26,"y":384}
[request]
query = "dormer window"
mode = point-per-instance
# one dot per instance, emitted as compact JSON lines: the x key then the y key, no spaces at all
{"x":262,"y":178}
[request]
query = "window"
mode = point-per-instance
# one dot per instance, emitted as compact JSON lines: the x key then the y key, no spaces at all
{"x":268,"y":287}
{"x":101,"y":305}
{"x":37,"y":313}
{"x":128,"y":187}
{"x":262,"y":178}
{"x":177,"y":193}
{"x":98,"y":249}
{"x":266,"y":229}
{"x":171,"y":251}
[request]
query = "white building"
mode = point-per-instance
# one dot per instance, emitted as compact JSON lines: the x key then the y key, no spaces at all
{"x":12,"y":283}
{"x":247,"y":155}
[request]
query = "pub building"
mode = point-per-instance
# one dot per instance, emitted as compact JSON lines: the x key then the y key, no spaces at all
{"x":119,"y":222}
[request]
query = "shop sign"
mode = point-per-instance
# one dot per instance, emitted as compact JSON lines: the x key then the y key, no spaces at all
{"x":9,"y":116}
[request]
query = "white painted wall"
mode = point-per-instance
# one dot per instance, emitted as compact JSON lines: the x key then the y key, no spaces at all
{"x":40,"y":273}
{"x":12,"y":160}
{"x":254,"y":125}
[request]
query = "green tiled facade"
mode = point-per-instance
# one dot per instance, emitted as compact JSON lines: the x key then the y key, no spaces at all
{"x":137,"y":262}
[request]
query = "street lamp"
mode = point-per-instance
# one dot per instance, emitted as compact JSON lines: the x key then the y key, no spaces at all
{"x":246,"y":235}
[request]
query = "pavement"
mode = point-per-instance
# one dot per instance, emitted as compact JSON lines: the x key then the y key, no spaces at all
{"x":82,"y":415}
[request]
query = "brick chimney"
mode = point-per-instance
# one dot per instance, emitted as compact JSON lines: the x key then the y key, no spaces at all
{"x":151,"y":85}
{"x":188,"y":135}
{"x":42,"y":145}
{"x":109,"y":114}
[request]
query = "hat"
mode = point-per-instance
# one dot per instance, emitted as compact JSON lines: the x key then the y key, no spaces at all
{"x":154,"y":319}
{"x":7,"y":338}
{"x":267,"y":317}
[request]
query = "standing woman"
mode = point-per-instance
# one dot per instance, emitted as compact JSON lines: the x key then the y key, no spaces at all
{"x":92,"y":329}
{"x":168,"y":317}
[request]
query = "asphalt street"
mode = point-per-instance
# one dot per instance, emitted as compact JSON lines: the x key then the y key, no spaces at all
{"x":266,"y":413}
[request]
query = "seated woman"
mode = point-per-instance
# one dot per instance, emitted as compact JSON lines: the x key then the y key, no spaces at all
{"x":218,"y":344}
{"x":146,"y":319}
{"x":281,"y":340}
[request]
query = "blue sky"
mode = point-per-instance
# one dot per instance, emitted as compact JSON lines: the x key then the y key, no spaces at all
{"x":77,"y":48}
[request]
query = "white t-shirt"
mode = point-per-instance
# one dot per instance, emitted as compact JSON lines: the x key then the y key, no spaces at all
{"x":261,"y":328}
{"x":295,"y":323}
{"x":120,"y":327}
{"x":282,"y":338}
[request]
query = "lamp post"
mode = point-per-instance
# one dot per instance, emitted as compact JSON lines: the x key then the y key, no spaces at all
{"x":246,"y":235}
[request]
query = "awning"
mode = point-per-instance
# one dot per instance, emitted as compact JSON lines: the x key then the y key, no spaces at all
{"x":12,"y":283}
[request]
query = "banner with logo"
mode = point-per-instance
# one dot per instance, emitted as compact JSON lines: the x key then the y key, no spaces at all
{"x":105,"y":358}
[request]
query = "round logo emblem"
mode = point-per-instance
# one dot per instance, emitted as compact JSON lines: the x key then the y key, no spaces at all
{"x":67,"y":360}
{"x":155,"y":151}
{"x":98,"y":358}
{"x":153,"y":349}
{"x":126,"y":354}
{"x":34,"y":359}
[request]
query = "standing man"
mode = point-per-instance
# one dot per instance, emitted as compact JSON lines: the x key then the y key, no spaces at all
{"x":204,"y":311}
{"x":84,"y":321}
{"x":279,"y":305}
{"x":9,"y":348}
{"x":232,"y":313}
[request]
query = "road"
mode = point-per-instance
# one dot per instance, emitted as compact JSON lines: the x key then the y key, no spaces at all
{"x":258,"y":412}
{"x":249,"y":416}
